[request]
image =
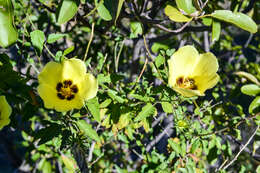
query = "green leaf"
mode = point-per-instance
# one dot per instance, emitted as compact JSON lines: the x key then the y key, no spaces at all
{"x":104,"y":10}
{"x":159,"y":46}
{"x":175,"y":146}
{"x":136,"y":29}
{"x":67,"y":10}
{"x":8,"y":33}
{"x":93,"y":107}
{"x":147,"y":111}
{"x":167,"y":107}
{"x":254,"y":104}
{"x":114,"y":96}
{"x":207,"y":21}
{"x":123,"y":120}
{"x":216,"y":28}
{"x":175,"y":15}
{"x":239,"y":19}
{"x":159,"y":60}
{"x":186,"y":6}
{"x":48,"y":133}
{"x":248,"y":76}
{"x":37,"y":38}
{"x":68,"y":50}
{"x":69,"y":163}
{"x":250,"y":89}
{"x":54,"y":37}
{"x":87,"y":130}
{"x":119,"y":6}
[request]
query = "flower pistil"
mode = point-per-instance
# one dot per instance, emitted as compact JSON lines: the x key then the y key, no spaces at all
{"x":66,"y":90}
{"x":187,"y":83}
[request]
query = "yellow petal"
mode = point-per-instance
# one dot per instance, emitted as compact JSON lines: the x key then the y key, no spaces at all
{"x":206,"y":82}
{"x":51,"y":100}
{"x":88,"y":87}
{"x":175,"y":15}
{"x":188,"y":92}
{"x":51,"y":74}
{"x":182,"y":63}
{"x":73,"y":69}
{"x":5,"y":112}
{"x":205,"y":65}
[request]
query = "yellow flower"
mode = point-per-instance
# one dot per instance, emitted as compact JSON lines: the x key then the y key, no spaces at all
{"x":191,"y":73}
{"x":5,"y":112}
{"x":66,"y":85}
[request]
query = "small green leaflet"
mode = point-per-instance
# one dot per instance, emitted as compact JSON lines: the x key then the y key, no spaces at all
{"x":186,"y":6}
{"x":216,"y":28}
{"x":254,"y":104}
{"x":67,"y":10}
{"x":93,"y":107}
{"x":250,"y":89}
{"x":87,"y":130}
{"x":37,"y":38}
{"x":147,"y":111}
{"x":54,"y":37}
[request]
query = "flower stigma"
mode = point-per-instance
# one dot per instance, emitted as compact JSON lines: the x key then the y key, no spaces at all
{"x":187,"y":83}
{"x":66,"y":90}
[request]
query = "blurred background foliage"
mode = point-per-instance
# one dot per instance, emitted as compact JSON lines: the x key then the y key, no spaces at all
{"x":136,"y":123}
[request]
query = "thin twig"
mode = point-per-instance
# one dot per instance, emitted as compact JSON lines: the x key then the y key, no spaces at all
{"x":90,"y":155}
{"x":144,"y":67}
{"x":235,"y":158}
{"x":173,"y":31}
{"x":90,"y":40}
{"x":150,"y":55}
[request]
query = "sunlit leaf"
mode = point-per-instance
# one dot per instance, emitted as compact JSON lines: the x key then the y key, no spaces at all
{"x":103,"y":9}
{"x":88,"y":130}
{"x":254,"y":104}
{"x":54,"y":37}
{"x":67,"y":10}
{"x":186,"y":6}
{"x":8,"y":33}
{"x":93,"y":107}
{"x":147,"y":111}
{"x":37,"y":38}
{"x":175,"y":15}
{"x":248,"y":76}
{"x":119,"y":6}
{"x":239,"y":19}
{"x":216,"y":29}
{"x":250,"y":89}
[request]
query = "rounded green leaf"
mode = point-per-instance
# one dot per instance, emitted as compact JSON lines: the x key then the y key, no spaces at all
{"x":239,"y":19}
{"x":186,"y":6}
{"x":67,"y":10}
{"x":254,"y":104}
{"x":88,"y":130}
{"x":147,"y":111}
{"x":54,"y":37}
{"x":104,"y":12}
{"x":216,"y":28}
{"x":175,"y":15}
{"x":250,"y":89}
{"x":8,"y":33}
{"x":38,"y":38}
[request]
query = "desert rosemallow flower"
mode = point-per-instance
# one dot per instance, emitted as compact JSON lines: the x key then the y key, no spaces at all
{"x":67,"y":85}
{"x":5,"y":112}
{"x":191,"y":73}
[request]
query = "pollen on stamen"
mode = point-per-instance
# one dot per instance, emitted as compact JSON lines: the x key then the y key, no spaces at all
{"x":70,"y":97}
{"x":59,"y":86}
{"x":179,"y":80}
{"x":67,"y":83}
{"x":74,"y":88}
{"x":61,"y":96}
